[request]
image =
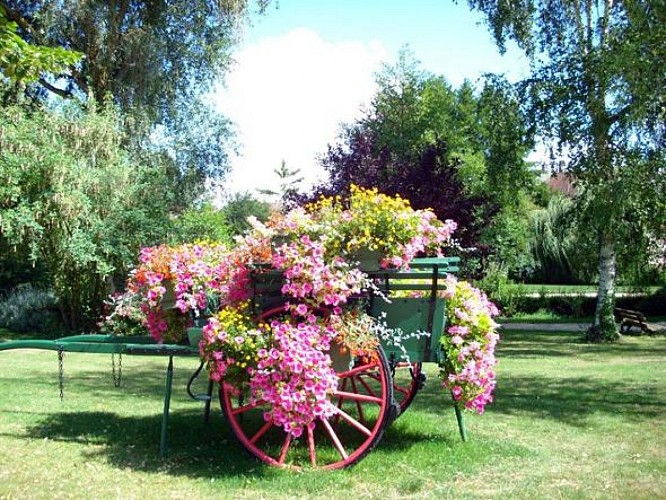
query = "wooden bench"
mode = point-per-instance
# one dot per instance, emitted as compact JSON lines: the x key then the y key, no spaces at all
{"x":628,"y":318}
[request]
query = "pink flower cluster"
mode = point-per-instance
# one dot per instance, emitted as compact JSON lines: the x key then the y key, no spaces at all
{"x":296,"y":375}
{"x":468,"y":369}
{"x":193,"y":274}
{"x":311,"y":277}
{"x":431,"y":236}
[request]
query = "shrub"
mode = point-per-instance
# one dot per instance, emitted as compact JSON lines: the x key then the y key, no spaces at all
{"x":29,"y":309}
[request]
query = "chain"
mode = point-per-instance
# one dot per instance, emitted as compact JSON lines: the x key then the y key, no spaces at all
{"x":117,"y":379}
{"x":61,"y":373}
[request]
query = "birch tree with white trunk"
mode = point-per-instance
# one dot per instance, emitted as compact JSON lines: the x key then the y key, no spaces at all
{"x":598,"y":91}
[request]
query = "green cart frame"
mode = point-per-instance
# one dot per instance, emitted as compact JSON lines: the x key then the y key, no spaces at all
{"x":373,"y":391}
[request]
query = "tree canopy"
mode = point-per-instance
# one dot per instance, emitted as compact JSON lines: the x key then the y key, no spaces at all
{"x":155,"y":60}
{"x":21,"y":61}
{"x":597,"y":91}
{"x":459,"y":151}
{"x":75,"y":202}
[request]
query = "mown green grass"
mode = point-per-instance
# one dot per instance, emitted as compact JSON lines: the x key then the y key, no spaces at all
{"x":571,"y":420}
{"x":580,"y":289}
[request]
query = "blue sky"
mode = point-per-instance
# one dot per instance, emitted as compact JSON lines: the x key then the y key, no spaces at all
{"x":307,"y":66}
{"x":448,"y":38}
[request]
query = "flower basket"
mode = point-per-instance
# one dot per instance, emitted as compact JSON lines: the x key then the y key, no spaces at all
{"x":411,"y":315}
{"x":169,"y":297}
{"x":194,"y":335}
{"x":266,"y":288}
{"x":368,"y":260}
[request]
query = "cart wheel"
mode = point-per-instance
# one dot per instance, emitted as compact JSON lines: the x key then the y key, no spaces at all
{"x":364,"y":408}
{"x":408,"y":379}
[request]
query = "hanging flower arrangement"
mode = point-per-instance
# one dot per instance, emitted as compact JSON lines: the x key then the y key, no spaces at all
{"x":468,"y":369}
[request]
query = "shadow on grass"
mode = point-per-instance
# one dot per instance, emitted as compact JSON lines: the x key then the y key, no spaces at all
{"x":572,"y":400}
{"x":522,"y":343}
{"x":561,"y":392}
{"x":195,"y":449}
{"x":199,"y":450}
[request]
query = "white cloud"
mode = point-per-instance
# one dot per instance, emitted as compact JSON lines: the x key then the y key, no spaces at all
{"x":287,"y":96}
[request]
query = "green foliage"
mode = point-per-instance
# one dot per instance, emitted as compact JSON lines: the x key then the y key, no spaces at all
{"x":457,"y":151}
{"x":241,"y":206}
{"x":592,"y":92}
{"x":552,"y":241}
{"x":156,"y":61}
{"x":288,"y":180}
{"x":201,"y":223}
{"x":144,"y":54}
{"x":509,"y":238}
{"x":23,"y":62}
{"x":73,"y":200}
{"x":28,"y":309}
{"x":501,"y":290}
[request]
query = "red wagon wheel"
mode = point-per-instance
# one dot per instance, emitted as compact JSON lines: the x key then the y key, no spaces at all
{"x":408,"y":379}
{"x":364,"y":407}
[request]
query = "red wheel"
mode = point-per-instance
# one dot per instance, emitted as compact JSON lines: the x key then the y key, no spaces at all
{"x":364,"y":407}
{"x":408,"y":379}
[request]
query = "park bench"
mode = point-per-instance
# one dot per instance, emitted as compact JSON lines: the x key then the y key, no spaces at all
{"x":628,"y":318}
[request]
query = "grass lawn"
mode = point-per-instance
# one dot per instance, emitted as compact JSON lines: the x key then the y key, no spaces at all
{"x":570,"y":420}
{"x":581,"y":289}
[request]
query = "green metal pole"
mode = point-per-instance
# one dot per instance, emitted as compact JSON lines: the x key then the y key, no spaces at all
{"x":461,"y":422}
{"x":165,"y":414}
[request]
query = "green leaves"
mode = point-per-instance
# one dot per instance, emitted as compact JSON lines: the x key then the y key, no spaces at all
{"x":24,"y":62}
{"x":78,"y":203}
{"x":597,"y":91}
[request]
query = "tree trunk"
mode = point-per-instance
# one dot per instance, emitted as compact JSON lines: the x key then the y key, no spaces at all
{"x":603,"y":328}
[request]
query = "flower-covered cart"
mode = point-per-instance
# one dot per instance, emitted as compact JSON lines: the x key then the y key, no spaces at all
{"x":314,"y":326}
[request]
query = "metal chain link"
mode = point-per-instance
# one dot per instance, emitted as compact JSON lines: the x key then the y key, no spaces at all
{"x":61,"y":372}
{"x":117,"y":379}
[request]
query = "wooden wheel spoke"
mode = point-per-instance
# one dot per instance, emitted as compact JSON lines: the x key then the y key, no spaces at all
{"x":334,"y":438}
{"x":247,"y":407}
{"x":355,"y":371}
{"x":311,"y":447}
{"x":359,"y":406}
{"x":400,"y":389}
{"x":285,"y":448}
{"x":359,"y":397}
{"x":365,"y":385}
{"x":354,"y":423}
{"x":264,"y":428}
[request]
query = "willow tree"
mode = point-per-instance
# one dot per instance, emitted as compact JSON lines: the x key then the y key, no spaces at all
{"x":156,"y":60}
{"x":597,"y":92}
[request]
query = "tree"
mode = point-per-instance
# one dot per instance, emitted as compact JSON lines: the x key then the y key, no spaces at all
{"x":240,"y":207}
{"x":204,"y":223}
{"x":72,"y":200}
{"x":441,"y":148}
{"x":144,"y":54}
{"x":597,"y":91}
{"x":24,"y":62}
{"x":288,"y":180}
{"x":155,"y":60}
